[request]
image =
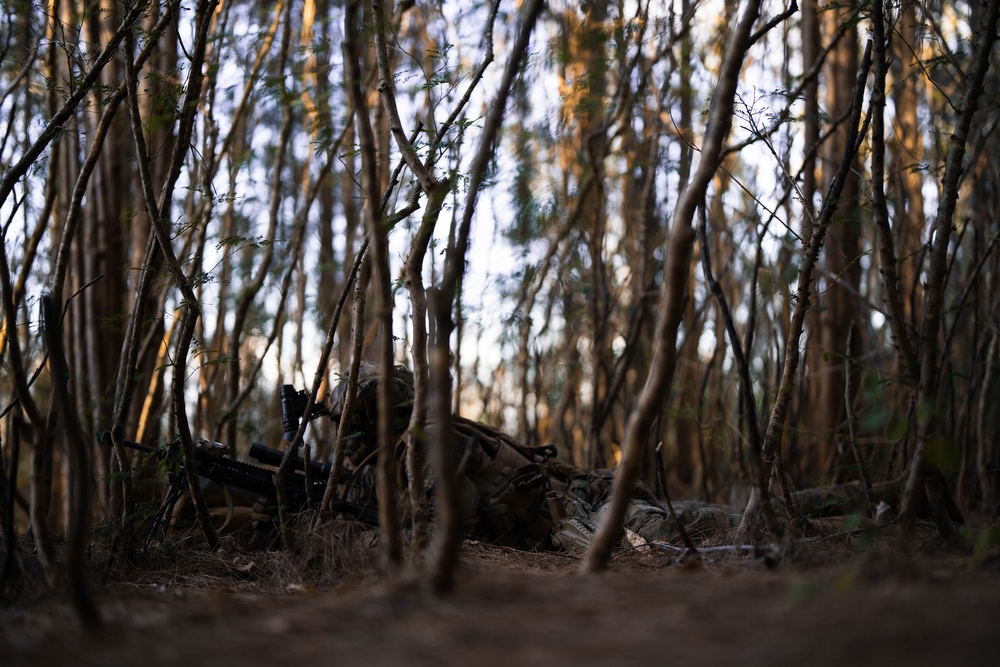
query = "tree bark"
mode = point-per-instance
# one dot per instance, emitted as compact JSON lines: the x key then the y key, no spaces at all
{"x":78,"y":452}
{"x":838,"y":305}
{"x":388,"y":518}
{"x":937,"y":273}
{"x":448,"y":539}
{"x":671,"y":306}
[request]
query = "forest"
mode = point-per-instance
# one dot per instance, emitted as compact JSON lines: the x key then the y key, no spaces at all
{"x":730,"y":251}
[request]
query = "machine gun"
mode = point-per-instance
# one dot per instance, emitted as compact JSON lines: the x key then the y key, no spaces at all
{"x":212,"y":463}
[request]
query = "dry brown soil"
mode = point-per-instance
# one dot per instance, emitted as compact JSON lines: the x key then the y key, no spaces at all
{"x":832,"y":602}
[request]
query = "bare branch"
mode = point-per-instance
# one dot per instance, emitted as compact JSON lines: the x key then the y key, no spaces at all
{"x":887,"y":253}
{"x":937,"y":275}
{"x":803,"y":297}
{"x":86,"y":82}
{"x":388,"y":90}
{"x":448,"y":538}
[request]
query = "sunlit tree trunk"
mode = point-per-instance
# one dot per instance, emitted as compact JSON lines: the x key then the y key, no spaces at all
{"x":840,"y":276}
{"x":681,"y":240}
{"x":159,"y":80}
{"x":799,"y":443}
{"x":593,"y":146}
{"x":909,"y":220}
{"x":691,"y":371}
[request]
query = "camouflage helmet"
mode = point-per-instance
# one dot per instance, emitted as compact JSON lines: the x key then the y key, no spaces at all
{"x":362,"y":438}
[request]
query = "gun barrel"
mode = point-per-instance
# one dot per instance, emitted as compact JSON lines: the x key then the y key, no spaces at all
{"x":259,"y":480}
{"x":104,"y":437}
{"x":273,"y":457}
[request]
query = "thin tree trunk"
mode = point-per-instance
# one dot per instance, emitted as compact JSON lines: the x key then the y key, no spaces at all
{"x":838,"y":259}
{"x":803,"y":298}
{"x":671,"y":306}
{"x":54,"y":127}
{"x":159,"y":213}
{"x":79,"y":456}
{"x":370,"y":182}
{"x":983,"y":441}
{"x":937,"y":274}
{"x":909,"y":220}
{"x":417,"y":431}
{"x":749,"y":404}
{"x":252,"y":289}
{"x":448,"y":539}
{"x":887,"y":252}
{"x":360,"y":281}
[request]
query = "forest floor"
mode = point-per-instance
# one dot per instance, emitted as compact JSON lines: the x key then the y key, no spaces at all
{"x":844,"y":599}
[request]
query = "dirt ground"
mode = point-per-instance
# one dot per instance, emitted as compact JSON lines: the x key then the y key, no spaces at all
{"x":836,"y":601}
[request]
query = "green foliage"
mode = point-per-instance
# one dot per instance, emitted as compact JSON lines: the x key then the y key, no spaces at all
{"x":239,"y":242}
{"x":220,"y":360}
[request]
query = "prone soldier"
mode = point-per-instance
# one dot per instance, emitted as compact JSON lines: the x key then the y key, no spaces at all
{"x":525,"y":497}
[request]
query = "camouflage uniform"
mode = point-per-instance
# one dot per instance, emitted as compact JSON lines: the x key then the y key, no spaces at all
{"x":525,"y":497}
{"x":502,"y":484}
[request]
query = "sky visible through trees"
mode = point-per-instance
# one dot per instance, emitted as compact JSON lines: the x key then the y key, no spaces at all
{"x":193,"y":184}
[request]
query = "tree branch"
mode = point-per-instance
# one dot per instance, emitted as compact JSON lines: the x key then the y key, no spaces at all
{"x":678,"y":247}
